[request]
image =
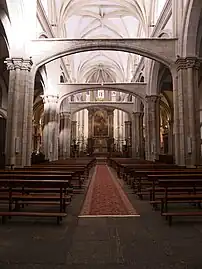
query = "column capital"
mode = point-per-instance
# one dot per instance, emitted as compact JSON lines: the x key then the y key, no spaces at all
{"x":128,"y":122}
{"x":65,"y":115}
{"x":138,"y":113}
{"x":188,"y":62}
{"x":152,"y":98}
{"x":18,"y":63}
{"x":110,"y":112}
{"x":181,"y":63}
{"x":26,"y":64}
{"x":193,"y":62}
{"x":50,"y":98}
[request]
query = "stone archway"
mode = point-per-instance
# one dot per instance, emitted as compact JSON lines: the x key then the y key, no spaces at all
{"x":158,"y":49}
{"x":136,"y":89}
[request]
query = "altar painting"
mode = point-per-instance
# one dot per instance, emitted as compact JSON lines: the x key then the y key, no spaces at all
{"x":101,"y":125}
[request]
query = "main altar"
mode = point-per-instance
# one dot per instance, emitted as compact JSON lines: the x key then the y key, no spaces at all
{"x":100,"y":130}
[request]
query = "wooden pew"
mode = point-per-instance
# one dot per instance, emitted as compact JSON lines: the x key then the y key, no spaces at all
{"x":129,"y":170}
{"x":192,"y":182}
{"x":81,"y":172}
{"x":154,"y":179}
{"x":12,"y":184}
{"x":121,"y":165}
{"x":58,"y":215}
{"x":143,"y":186}
{"x":77,"y":173}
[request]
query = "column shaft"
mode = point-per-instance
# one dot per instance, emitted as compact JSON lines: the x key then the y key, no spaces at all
{"x":18,"y":146}
{"x":65,"y":135}
{"x":137,"y":131}
{"x":188,"y":122}
{"x":51,"y":127}
{"x":152,"y":129}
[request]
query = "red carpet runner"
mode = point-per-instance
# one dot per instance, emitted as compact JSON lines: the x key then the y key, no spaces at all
{"x":105,"y":196}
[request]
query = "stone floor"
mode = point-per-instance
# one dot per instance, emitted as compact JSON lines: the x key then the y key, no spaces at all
{"x":144,"y":242}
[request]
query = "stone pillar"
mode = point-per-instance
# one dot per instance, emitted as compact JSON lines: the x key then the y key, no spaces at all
{"x":128,"y":132}
{"x":73,"y":130}
{"x":20,"y":109}
{"x":90,"y":123}
{"x":118,"y":130}
{"x":133,"y":136}
{"x":51,"y":127}
{"x":170,"y":139}
{"x":137,"y":135}
{"x":186,"y":112}
{"x":65,"y":134}
{"x":152,"y":127}
{"x":111,"y":126}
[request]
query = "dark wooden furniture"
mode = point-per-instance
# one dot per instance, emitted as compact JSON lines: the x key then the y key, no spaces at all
{"x":12,"y":196}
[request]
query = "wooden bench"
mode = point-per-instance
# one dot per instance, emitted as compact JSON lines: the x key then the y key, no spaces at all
{"x":194,"y":181}
{"x":173,"y":178}
{"x":72,"y":176}
{"x":119,"y":163}
{"x":11,"y":184}
{"x":58,"y":215}
{"x":130,"y":169}
{"x":170,"y":215}
{"x":142,"y":179}
{"x":77,"y":173}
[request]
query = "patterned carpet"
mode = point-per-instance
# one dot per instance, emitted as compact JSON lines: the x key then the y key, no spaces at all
{"x":105,"y":197}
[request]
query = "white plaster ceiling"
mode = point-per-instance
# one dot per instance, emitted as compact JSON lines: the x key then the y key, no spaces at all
{"x":103,"y":19}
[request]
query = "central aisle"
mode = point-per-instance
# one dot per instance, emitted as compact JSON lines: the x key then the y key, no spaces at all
{"x":105,"y":197}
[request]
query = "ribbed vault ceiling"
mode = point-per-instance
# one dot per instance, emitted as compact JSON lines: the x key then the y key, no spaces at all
{"x":103,"y":19}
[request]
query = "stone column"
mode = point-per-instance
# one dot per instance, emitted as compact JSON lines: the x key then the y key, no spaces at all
{"x":73,"y":130}
{"x":118,"y":130}
{"x":152,"y":127}
{"x":133,"y":136}
{"x":51,"y":127}
{"x":90,"y":123}
{"x":137,"y":135}
{"x":20,"y":107}
{"x":111,"y":126}
{"x":128,"y":132}
{"x":65,"y":135}
{"x":170,"y":139}
{"x":186,"y":112}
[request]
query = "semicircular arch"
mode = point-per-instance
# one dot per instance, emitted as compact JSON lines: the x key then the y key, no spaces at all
{"x":92,"y":88}
{"x":98,"y":106}
{"x":47,"y":50}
